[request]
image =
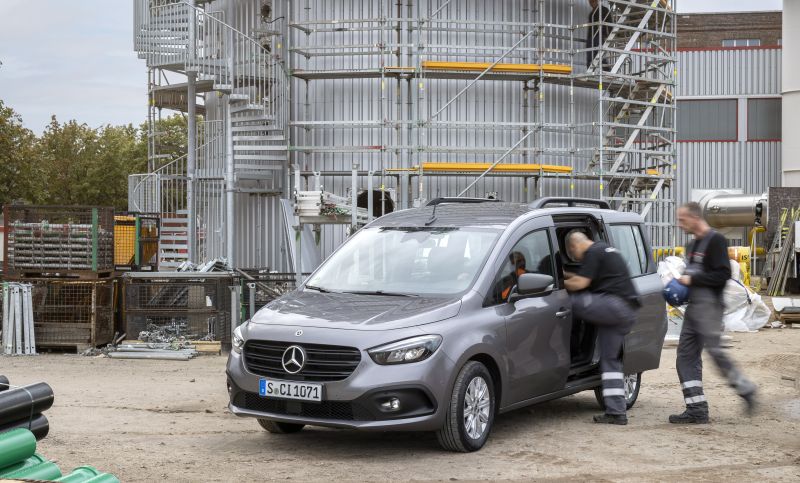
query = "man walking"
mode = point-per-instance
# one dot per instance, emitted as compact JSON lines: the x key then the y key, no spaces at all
{"x":707,"y":271}
{"x":604,"y":296}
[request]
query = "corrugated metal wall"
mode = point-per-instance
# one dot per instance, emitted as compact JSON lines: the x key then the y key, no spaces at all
{"x":487,"y":104}
{"x":750,"y":166}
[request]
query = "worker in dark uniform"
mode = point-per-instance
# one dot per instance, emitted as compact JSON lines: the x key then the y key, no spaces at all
{"x":707,"y":271}
{"x":604,"y":295}
{"x":594,"y":38}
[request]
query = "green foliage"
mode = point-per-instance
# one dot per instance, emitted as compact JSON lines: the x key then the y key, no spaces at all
{"x":74,"y":164}
{"x":18,"y":171}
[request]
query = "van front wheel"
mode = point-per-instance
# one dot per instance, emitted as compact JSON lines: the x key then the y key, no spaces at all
{"x":470,"y":413}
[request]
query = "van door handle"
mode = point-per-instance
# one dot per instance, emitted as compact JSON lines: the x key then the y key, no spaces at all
{"x":563,"y":313}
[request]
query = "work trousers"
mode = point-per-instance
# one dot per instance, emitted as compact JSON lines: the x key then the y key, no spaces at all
{"x":702,"y":327}
{"x":614,"y":317}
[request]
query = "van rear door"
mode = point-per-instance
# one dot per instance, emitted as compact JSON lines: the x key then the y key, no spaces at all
{"x":644,"y":343}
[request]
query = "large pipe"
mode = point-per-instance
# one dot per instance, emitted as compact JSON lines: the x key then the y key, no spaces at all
{"x":727,"y":211}
{"x":3,"y":383}
{"x":16,"y":446}
{"x":38,"y":425}
{"x":22,"y":402}
{"x":43,"y":471}
{"x":790,"y":90}
{"x":34,"y":460}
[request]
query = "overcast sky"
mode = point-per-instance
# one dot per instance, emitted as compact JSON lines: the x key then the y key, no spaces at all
{"x":75,"y":58}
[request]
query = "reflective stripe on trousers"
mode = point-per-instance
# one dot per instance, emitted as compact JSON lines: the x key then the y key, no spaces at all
{"x":702,"y":327}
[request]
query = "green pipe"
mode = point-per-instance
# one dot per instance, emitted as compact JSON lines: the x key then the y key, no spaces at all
{"x":43,"y":471}
{"x":16,"y":446}
{"x":103,"y":478}
{"x":80,"y":474}
{"x":32,"y":461}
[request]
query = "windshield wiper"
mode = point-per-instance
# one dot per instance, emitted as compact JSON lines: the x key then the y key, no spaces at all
{"x":381,"y":292}
{"x":318,"y":289}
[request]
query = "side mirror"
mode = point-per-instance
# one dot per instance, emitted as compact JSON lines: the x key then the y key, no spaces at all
{"x":533,"y":284}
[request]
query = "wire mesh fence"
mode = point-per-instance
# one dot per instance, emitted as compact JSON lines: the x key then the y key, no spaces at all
{"x":72,"y":313}
{"x":259,"y":289}
{"x":189,"y":307}
{"x":50,"y":239}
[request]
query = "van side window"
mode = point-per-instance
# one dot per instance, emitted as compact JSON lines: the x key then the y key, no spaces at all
{"x":532,"y":254}
{"x":628,"y":240}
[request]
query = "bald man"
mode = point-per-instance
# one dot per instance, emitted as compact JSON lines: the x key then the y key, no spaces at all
{"x":604,"y":296}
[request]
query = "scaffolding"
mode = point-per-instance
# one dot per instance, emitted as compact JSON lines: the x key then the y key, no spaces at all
{"x":623,"y":152}
{"x":514,"y":98}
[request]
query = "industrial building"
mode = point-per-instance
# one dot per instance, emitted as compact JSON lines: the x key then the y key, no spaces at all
{"x":412,"y":100}
{"x":729,"y":104}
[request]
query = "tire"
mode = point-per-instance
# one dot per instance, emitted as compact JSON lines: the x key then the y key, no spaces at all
{"x":631,"y":391}
{"x":275,"y":427}
{"x":462,"y":434}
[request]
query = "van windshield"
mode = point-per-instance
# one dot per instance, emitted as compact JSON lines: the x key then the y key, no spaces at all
{"x":407,"y":261}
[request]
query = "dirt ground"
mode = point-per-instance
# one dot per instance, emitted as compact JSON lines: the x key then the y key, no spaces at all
{"x":167,"y":421}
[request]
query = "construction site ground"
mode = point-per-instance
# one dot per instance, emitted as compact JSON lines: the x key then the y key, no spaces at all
{"x":168,"y":421}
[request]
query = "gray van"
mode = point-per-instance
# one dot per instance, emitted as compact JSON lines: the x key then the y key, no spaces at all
{"x":421,"y":322}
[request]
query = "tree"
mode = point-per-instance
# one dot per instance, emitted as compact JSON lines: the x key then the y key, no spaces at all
{"x":85,"y":166}
{"x":18,"y":168}
{"x":74,"y":164}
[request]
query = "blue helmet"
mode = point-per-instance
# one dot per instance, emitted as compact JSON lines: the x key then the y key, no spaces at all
{"x":675,"y":293}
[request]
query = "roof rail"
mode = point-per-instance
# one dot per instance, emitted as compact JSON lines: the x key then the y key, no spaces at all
{"x":571,"y":202}
{"x":439,"y":201}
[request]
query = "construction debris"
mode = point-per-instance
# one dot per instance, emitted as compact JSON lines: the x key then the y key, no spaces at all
{"x":18,"y":330}
{"x":782,"y":254}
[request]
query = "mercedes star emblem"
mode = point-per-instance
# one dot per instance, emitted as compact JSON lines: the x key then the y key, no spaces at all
{"x":299,"y":332}
{"x":293,"y":360}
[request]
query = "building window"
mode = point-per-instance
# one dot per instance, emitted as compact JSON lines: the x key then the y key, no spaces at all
{"x":764,"y":119}
{"x":741,"y":42}
{"x":708,"y":120}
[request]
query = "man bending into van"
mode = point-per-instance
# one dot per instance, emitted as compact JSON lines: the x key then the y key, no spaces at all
{"x":603,"y":295}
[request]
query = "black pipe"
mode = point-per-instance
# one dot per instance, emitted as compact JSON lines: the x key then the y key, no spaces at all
{"x":22,"y":402}
{"x":3,"y":383}
{"x":39,"y":426}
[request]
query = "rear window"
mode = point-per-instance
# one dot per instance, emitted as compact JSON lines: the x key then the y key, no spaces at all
{"x":630,"y":243}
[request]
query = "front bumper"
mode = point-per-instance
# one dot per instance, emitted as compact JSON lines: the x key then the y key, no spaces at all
{"x":354,"y":403}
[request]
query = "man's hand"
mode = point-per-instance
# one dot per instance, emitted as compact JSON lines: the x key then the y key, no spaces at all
{"x":685,"y":280}
{"x":577,"y":283}
{"x":568,"y":275}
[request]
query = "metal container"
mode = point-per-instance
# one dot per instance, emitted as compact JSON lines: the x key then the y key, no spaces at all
{"x":727,"y":210}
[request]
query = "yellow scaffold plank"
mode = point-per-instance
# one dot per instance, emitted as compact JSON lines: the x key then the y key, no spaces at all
{"x":480,"y":66}
{"x":500,"y":168}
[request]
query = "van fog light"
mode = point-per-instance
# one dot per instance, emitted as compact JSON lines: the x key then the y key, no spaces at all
{"x":392,"y":404}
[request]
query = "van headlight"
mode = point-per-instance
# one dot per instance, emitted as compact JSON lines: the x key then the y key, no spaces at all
{"x":404,"y":351}
{"x":238,"y":339}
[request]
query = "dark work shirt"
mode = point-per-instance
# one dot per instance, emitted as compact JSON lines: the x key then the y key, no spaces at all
{"x":707,"y":263}
{"x":607,"y":270}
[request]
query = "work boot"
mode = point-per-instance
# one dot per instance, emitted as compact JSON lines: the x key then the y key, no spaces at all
{"x":620,"y":419}
{"x":688,"y":418}
{"x":752,"y":402}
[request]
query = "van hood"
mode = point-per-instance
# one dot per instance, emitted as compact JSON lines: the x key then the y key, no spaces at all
{"x":356,"y":311}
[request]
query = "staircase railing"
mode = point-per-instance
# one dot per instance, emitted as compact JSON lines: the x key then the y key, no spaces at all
{"x":175,"y":34}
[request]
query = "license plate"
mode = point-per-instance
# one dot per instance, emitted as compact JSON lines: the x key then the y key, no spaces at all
{"x":290,"y":390}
